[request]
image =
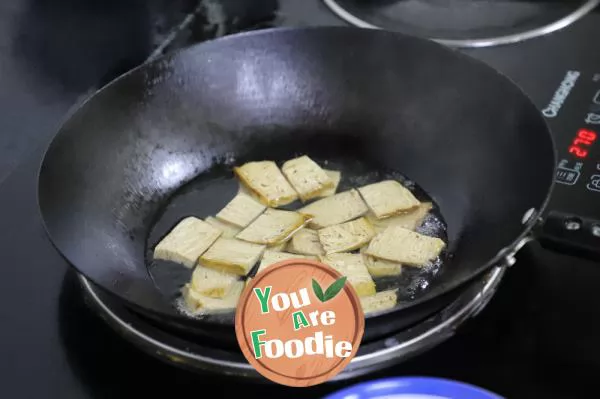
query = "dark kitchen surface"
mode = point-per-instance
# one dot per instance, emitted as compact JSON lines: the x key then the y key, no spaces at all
{"x":537,"y":338}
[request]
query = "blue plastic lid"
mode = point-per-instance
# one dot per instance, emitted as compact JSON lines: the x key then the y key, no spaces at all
{"x":413,"y":388}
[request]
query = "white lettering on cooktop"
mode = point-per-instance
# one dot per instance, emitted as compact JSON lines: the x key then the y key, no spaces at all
{"x":561,"y":94}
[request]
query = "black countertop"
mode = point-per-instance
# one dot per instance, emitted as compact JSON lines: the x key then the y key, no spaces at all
{"x":537,"y":338}
{"x":51,"y":53}
{"x":54,"y":53}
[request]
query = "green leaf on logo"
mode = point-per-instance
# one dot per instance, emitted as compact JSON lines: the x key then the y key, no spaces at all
{"x":334,"y":289}
{"x":318,"y":290}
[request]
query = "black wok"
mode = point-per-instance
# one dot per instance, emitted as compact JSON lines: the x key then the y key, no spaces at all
{"x":373,"y":100}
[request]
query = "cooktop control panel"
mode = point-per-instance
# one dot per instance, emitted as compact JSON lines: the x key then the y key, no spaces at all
{"x":577,"y":136}
{"x":573,"y":113}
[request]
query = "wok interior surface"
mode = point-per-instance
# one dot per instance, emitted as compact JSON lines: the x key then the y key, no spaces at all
{"x":458,"y":129}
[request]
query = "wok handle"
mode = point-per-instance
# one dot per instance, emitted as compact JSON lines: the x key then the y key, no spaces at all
{"x":570,"y":235}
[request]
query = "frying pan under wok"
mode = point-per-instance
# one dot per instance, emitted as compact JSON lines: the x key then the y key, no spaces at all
{"x":386,"y":102}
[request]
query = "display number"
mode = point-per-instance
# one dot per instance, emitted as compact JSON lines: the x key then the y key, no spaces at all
{"x":584,"y":139}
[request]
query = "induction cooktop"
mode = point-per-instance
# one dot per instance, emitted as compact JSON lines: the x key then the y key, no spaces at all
{"x":536,"y":338}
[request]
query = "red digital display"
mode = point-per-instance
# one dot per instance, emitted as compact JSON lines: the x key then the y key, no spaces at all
{"x":581,"y":143}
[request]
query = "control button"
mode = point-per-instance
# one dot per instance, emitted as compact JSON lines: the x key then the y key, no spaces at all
{"x":568,"y":174}
{"x":596,"y":230}
{"x":594,"y":184}
{"x":572,"y":224}
{"x":592,"y":118}
{"x":597,"y":97}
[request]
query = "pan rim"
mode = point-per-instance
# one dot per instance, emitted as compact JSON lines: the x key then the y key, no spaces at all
{"x":497,"y":260}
